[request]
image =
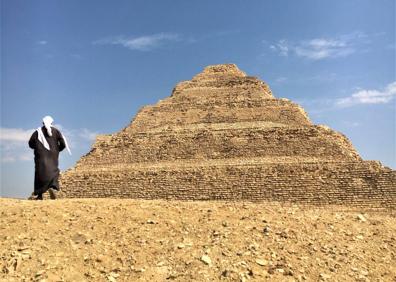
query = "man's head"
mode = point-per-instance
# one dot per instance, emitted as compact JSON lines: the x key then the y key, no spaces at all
{"x":47,"y":121}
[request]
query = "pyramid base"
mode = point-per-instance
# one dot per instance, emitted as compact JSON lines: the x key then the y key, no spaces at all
{"x":364,"y":184}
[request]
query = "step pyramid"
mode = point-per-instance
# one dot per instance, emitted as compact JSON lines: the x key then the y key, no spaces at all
{"x":223,"y":136}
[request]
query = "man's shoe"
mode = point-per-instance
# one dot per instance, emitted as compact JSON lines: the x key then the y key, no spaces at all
{"x":53,"y":193}
{"x":32,"y":197}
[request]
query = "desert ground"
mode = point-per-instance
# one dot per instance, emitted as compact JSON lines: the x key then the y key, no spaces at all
{"x":146,"y":240}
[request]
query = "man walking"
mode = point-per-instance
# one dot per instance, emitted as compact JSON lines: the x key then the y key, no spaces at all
{"x":47,"y":142}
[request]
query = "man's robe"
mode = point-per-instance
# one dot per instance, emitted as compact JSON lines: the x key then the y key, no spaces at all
{"x":46,"y":161}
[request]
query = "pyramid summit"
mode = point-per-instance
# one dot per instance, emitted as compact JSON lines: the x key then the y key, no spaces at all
{"x":224,"y":136}
{"x":221,"y":70}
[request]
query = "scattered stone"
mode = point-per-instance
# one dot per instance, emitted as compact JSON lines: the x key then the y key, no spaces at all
{"x":39,"y":273}
{"x":206,"y":259}
{"x":324,"y":276}
{"x":125,"y":246}
{"x":79,"y":238}
{"x":180,"y":246}
{"x":361,"y":218}
{"x":364,"y":272}
{"x":111,"y":278}
{"x":261,"y":262}
{"x":360,"y":237}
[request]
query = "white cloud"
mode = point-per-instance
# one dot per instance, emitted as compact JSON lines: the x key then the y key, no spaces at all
{"x":77,"y":137}
{"x":351,"y":123}
{"x":87,"y":134}
{"x":141,"y":43}
{"x":14,"y":141}
{"x":281,"y":79}
{"x":14,"y":144}
{"x":42,"y":42}
{"x":281,"y":47}
{"x":321,"y":48}
{"x":8,"y":159}
{"x":15,"y":134}
{"x":371,"y":96}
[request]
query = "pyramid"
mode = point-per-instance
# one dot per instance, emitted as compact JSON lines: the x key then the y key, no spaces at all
{"x":223,"y":136}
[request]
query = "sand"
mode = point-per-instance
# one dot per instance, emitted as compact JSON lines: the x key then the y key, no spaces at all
{"x":141,"y":240}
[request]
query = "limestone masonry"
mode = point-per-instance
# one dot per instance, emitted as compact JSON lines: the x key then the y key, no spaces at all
{"x":224,"y":136}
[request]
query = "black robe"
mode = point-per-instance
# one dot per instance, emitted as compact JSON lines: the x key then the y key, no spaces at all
{"x":46,"y":161}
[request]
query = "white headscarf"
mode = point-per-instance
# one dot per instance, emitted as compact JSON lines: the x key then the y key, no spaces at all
{"x":42,"y":139}
{"x":47,"y":120}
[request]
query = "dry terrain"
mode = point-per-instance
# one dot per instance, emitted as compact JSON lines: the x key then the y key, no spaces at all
{"x":140,"y":240}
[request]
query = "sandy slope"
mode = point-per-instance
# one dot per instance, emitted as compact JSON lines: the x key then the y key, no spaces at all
{"x":136,"y":240}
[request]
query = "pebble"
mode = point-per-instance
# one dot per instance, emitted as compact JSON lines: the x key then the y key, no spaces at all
{"x":111,"y":278}
{"x":39,"y":273}
{"x":261,"y":262}
{"x":206,"y":259}
{"x":324,"y":276}
{"x":364,"y":272}
{"x":180,"y":246}
{"x":361,"y":218}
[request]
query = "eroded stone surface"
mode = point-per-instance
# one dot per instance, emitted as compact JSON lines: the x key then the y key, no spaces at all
{"x":223,"y":135}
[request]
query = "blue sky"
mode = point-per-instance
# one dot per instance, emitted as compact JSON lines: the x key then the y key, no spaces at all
{"x":92,"y":64}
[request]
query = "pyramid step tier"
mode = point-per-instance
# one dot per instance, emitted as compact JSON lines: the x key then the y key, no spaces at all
{"x":248,"y":87}
{"x":310,"y":182}
{"x":220,"y":143}
{"x":221,"y":111}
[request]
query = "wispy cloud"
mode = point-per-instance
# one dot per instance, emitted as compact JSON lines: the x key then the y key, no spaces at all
{"x":141,"y":43}
{"x":348,"y":123}
{"x":42,"y":42}
{"x":14,"y":144}
{"x":371,"y":96}
{"x":280,"y":80}
{"x":87,"y":134}
{"x":322,"y":47}
{"x":76,"y":137}
{"x":14,"y":141}
{"x":282,"y":47}
{"x":15,"y":134}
